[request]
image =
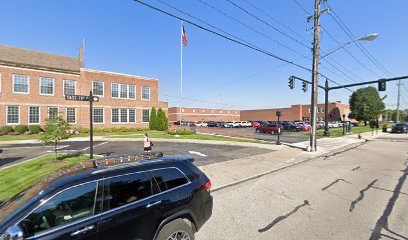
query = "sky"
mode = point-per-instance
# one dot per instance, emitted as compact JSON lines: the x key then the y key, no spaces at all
{"x":126,"y":37}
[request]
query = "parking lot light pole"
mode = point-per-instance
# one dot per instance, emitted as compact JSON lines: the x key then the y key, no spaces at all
{"x":278,"y":113}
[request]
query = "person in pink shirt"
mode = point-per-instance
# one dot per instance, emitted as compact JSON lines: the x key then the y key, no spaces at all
{"x":147,"y":144}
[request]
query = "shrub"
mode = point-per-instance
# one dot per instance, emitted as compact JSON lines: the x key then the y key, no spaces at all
{"x":181,"y":132}
{"x":6,"y":129}
{"x":35,"y":129}
{"x":153,"y":122}
{"x":84,"y":130}
{"x":162,"y":121}
{"x":13,"y":133}
{"x":21,"y":129}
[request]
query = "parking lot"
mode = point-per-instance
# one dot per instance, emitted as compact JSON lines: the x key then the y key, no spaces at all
{"x":203,"y":153}
{"x":286,"y":137}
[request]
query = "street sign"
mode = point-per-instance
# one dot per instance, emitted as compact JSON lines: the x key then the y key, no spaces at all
{"x":82,"y":98}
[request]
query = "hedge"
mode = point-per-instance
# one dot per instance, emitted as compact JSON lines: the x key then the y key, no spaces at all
{"x":181,"y":132}
{"x":6,"y":129}
{"x":21,"y":129}
{"x":35,"y":129}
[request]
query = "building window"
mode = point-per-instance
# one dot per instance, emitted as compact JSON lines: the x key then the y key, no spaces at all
{"x":123,"y":91}
{"x":310,"y":110}
{"x":52,"y":112}
{"x":13,"y":114}
{"x":97,"y":88}
{"x":115,"y":90}
{"x":123,"y":115}
{"x":146,"y":115}
{"x":34,"y":115}
{"x":132,"y":115}
{"x":71,"y":115}
{"x":46,"y":86}
{"x":132,"y":92}
{"x":98,"y":115}
{"x":318,"y":110}
{"x":322,"y":110}
{"x":20,"y":84}
{"x":146,"y":93}
{"x":69,"y":87}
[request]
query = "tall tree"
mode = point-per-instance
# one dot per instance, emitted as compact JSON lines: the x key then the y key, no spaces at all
{"x":162,"y":122}
{"x":366,"y":104}
{"x":55,"y":130}
{"x":153,"y":119}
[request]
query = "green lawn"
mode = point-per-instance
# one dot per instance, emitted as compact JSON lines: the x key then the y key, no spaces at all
{"x":17,"y":178}
{"x":338,"y":132}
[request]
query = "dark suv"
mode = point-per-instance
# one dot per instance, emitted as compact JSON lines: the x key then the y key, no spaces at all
{"x":117,"y":197}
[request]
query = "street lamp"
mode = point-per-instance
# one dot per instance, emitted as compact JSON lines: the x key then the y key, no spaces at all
{"x":370,"y":38}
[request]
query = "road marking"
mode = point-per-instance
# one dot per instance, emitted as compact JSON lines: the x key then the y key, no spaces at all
{"x":100,"y":144}
{"x":58,"y":148}
{"x":197,"y":153}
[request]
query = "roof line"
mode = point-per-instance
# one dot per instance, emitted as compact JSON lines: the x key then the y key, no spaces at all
{"x":119,"y":74}
{"x":26,"y":49}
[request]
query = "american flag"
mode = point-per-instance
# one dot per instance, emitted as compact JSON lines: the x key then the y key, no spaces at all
{"x":184,"y":37}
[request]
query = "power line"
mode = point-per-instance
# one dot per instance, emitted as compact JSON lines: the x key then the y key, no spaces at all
{"x":251,"y":46}
{"x":344,"y":27}
{"x":267,"y":24}
{"x":249,"y":27}
{"x":300,"y":5}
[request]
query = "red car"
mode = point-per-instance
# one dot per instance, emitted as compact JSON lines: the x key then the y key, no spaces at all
{"x":255,"y":124}
{"x":269,"y":128}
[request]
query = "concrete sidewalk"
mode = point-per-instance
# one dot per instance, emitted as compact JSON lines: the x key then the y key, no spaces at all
{"x":229,"y":173}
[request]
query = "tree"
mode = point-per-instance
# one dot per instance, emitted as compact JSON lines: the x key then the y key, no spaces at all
{"x":153,"y":119}
{"x":56,"y":129}
{"x":162,"y":121}
{"x":366,"y":104}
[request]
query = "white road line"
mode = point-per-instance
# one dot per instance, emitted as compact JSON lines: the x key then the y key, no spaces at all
{"x":197,"y":153}
{"x":100,"y":144}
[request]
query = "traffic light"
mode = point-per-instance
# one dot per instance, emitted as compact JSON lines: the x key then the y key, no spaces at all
{"x":304,"y":86}
{"x":381,"y":85}
{"x":291,"y":83}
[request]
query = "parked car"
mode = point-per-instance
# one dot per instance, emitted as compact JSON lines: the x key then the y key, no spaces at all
{"x":245,"y":124}
{"x":302,"y":126}
{"x":400,"y":128}
{"x":201,"y":124}
{"x":255,"y":124}
{"x":290,"y":126}
{"x":211,"y":124}
{"x":269,"y":128}
{"x":134,"y":198}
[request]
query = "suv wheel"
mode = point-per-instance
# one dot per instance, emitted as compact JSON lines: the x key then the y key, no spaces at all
{"x":175,"y":230}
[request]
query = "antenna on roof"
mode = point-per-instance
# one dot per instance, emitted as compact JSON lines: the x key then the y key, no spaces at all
{"x":81,"y":53}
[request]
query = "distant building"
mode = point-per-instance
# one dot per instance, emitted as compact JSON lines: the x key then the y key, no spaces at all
{"x":33,"y":86}
{"x":297,"y":112}
{"x":203,"y":114}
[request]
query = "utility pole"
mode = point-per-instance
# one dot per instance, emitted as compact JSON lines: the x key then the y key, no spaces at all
{"x":398,"y":101}
{"x":326,"y":108}
{"x":316,"y":52}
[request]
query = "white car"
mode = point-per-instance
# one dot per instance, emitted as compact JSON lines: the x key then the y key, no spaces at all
{"x":201,"y":124}
{"x":228,"y":124}
{"x":245,"y":124}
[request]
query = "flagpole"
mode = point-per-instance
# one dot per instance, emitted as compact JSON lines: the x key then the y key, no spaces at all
{"x":181,"y":72}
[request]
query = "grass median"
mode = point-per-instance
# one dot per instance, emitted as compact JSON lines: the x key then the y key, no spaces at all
{"x":18,"y":177}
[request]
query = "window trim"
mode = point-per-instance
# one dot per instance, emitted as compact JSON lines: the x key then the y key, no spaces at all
{"x":127,"y":91}
{"x":103,"y":89}
{"x":128,"y":114}
{"x":53,"y":87}
{"x":48,"y":111}
{"x":18,"y":123}
{"x":66,"y":115}
{"x":149,"y":115}
{"x":39,"y":116}
{"x":103,"y":115}
{"x":141,"y":95}
{"x":28,"y":84}
{"x":63,"y":86}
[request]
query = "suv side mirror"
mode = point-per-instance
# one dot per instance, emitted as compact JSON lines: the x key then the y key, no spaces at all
{"x":14,"y":233}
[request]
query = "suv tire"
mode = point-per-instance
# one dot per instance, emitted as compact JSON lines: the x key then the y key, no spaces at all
{"x":175,"y":229}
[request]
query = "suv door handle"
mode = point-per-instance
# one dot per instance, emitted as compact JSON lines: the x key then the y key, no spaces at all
{"x":84,"y":230}
{"x":153,"y":204}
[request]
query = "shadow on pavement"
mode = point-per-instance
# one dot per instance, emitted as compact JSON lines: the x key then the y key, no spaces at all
{"x":5,"y":161}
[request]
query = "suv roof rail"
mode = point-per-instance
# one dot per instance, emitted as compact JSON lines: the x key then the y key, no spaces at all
{"x":112,"y":160}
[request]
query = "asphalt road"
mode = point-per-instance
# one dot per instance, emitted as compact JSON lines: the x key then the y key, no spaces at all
{"x":204,"y":153}
{"x":356,"y":194}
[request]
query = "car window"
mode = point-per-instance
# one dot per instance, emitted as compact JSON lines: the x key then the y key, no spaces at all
{"x":68,"y":206}
{"x":126,"y":189}
{"x":169,"y":178}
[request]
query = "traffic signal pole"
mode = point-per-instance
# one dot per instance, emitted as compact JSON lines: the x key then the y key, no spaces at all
{"x":315,"y":71}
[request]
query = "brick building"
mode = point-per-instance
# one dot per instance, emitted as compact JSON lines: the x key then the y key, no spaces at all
{"x":203,"y":114}
{"x":297,"y":112}
{"x":33,"y":86}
